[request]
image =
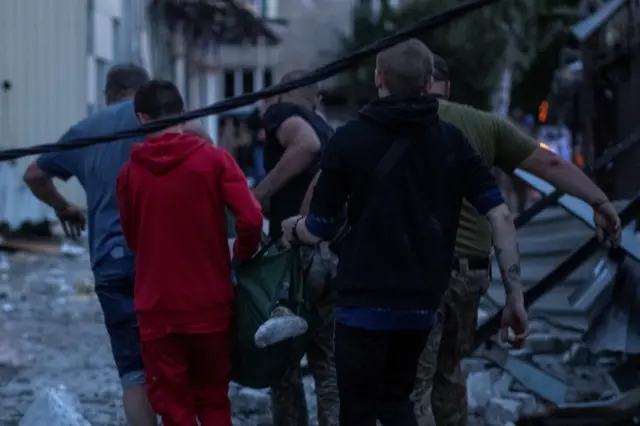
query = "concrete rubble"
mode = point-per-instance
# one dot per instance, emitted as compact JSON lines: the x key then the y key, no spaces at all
{"x":51,"y":334}
{"x":55,"y":355}
{"x":54,"y":406}
{"x":496,"y":398}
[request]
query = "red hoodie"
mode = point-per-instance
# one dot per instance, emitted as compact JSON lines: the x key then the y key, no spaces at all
{"x":172,"y":195}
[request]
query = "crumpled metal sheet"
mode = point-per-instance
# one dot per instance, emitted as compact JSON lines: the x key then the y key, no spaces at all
{"x":588,"y":26}
{"x":593,"y":296}
{"x":538,"y":381}
{"x":617,"y":329}
{"x":621,"y":410}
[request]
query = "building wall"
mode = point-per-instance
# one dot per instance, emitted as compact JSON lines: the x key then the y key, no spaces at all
{"x":313,"y":36}
{"x":105,"y":46}
{"x":43,"y":63}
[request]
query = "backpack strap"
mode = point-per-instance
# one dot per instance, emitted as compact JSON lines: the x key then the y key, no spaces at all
{"x":384,"y":166}
{"x":391,"y":157}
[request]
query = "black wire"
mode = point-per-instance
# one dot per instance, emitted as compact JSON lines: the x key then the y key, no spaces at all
{"x":322,"y":73}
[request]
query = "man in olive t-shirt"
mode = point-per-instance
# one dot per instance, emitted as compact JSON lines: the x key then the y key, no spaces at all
{"x":503,"y":145}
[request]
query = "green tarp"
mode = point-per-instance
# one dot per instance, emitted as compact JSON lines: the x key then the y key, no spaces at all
{"x":261,"y":283}
{"x":231,"y":225}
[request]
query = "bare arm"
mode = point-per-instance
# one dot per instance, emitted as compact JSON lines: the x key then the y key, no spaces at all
{"x":301,"y":149}
{"x":42,"y":186}
{"x":306,"y":202}
{"x":506,"y":248}
{"x":564,"y":175}
{"x":484,"y":195}
{"x":296,"y":228}
{"x":568,"y":178}
{"x":515,"y":149}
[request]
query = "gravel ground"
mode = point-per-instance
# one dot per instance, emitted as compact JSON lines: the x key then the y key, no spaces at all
{"x":52,"y":334}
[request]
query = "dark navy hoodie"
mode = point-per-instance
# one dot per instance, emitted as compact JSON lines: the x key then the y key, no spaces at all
{"x":399,"y":253}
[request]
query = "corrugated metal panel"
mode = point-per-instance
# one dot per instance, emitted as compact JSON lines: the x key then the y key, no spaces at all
{"x":43,"y":59}
{"x":585,"y":28}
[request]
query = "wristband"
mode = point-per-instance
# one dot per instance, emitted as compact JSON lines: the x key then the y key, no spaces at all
{"x":294,"y":230}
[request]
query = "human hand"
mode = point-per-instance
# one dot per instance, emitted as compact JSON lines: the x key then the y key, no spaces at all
{"x":515,"y":318}
{"x":288,"y":225}
{"x":607,"y":222}
{"x":73,"y":220}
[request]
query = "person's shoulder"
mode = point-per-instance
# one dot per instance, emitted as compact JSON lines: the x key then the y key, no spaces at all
{"x":450,"y":131}
{"x":351,"y":131}
{"x":116,"y":117}
{"x":449,"y":111}
{"x":214,"y":153}
{"x":277,"y":113}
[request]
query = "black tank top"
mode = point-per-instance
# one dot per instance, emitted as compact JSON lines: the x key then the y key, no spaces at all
{"x":288,"y":200}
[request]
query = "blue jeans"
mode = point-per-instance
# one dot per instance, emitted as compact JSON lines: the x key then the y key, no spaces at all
{"x":116,"y":299}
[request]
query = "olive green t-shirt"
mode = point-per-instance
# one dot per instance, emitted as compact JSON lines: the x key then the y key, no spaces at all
{"x":500,"y":144}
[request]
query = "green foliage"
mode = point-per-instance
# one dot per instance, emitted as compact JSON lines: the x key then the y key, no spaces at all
{"x":476,"y":47}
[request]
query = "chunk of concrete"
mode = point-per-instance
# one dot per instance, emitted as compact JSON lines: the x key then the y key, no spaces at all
{"x":54,"y":407}
{"x":501,"y":411}
{"x":479,"y":390}
{"x":578,"y":354}
{"x":502,"y":386}
{"x":529,"y":402}
{"x":251,"y":401}
{"x":558,"y":342}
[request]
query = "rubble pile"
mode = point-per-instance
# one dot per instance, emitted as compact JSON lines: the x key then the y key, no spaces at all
{"x":553,"y":369}
{"x":52,"y":334}
{"x":55,"y":355}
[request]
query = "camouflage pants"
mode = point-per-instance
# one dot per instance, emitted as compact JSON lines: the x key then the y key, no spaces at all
{"x":440,"y":393}
{"x":288,"y":403}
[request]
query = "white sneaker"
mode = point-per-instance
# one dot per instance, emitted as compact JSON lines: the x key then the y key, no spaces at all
{"x":282,"y":325}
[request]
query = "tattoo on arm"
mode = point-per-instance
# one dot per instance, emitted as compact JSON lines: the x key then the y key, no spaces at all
{"x":514,"y":273}
{"x":508,"y":255}
{"x":506,"y":248}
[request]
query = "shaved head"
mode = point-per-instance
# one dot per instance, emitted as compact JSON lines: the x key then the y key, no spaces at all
{"x":306,"y":93}
{"x":404,"y":69}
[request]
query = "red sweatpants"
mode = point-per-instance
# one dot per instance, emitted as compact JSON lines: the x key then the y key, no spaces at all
{"x":188,"y":378}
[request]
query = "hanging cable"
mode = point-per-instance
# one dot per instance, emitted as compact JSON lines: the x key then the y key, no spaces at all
{"x":322,"y":73}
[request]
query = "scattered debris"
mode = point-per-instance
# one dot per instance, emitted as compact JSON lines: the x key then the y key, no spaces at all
{"x":568,"y":368}
{"x":41,"y":247}
{"x":55,"y":333}
{"x":9,"y":355}
{"x":565,"y":377}
{"x":54,"y":407}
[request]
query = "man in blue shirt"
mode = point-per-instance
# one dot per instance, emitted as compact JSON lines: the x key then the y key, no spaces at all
{"x":113,"y":264}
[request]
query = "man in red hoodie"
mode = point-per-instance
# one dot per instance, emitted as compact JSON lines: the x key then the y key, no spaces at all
{"x":172,"y":195}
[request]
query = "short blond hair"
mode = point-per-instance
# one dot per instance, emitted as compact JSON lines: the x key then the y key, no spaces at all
{"x":406,"y":68}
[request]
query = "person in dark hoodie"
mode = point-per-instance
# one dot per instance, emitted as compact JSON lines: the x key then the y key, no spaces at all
{"x":404,"y":173}
{"x":172,"y":195}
